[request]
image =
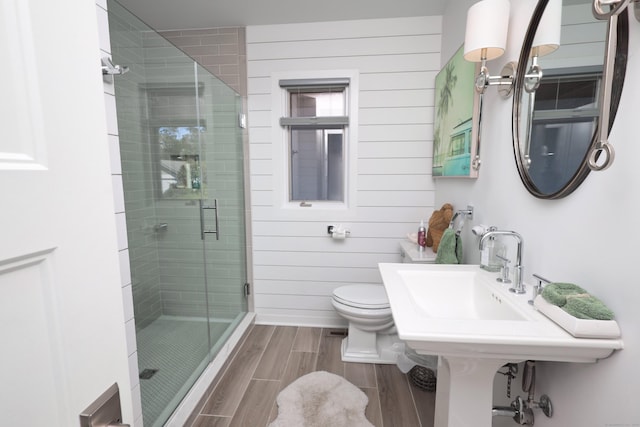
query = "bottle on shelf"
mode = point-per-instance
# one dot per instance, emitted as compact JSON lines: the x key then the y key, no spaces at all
{"x":422,"y":236}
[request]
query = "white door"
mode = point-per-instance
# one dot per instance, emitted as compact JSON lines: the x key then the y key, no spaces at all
{"x":62,"y":334}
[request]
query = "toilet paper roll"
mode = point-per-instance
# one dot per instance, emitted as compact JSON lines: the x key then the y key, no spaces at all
{"x":478,"y":230}
{"x":339,"y":234}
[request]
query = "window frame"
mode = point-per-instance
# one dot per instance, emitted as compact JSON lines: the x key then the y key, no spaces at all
{"x":571,"y":75}
{"x":321,"y":126}
{"x":281,"y":148}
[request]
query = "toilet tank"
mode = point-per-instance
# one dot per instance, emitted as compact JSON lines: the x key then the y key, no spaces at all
{"x":410,"y":253}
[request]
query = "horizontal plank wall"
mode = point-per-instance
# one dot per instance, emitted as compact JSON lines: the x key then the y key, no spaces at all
{"x":296,"y":264}
{"x":582,"y":41}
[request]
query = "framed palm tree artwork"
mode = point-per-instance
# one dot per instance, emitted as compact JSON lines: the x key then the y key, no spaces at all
{"x":455,"y":139}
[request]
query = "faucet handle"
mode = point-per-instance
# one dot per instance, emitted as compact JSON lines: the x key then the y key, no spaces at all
{"x":537,"y":289}
{"x":518,"y":287}
{"x":504,"y":278}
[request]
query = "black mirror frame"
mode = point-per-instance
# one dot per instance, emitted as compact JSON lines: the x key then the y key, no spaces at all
{"x":618,"y":82}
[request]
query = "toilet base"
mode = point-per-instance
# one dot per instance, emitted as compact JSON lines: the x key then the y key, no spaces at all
{"x":369,"y":347}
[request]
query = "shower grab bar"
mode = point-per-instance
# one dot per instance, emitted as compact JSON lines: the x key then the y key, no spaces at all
{"x":203,"y":230}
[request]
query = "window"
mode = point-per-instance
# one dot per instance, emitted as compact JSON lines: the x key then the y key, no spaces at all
{"x":173,"y":115}
{"x":562,"y":96}
{"x":564,"y":121}
{"x":316,"y":122}
{"x":179,"y":161}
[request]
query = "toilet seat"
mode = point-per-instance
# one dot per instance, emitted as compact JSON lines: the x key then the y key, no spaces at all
{"x":365,"y":297}
{"x":364,"y":316}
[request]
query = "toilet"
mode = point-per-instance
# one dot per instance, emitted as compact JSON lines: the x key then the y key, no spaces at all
{"x":371,"y":332}
{"x":372,"y":336}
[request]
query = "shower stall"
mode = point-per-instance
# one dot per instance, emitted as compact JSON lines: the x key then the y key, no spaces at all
{"x":181,"y":152}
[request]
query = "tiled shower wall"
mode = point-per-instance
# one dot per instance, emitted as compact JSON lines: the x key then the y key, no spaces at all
{"x":136,"y":163}
{"x":222,"y":51}
{"x":167,"y":266}
{"x":182,"y":276}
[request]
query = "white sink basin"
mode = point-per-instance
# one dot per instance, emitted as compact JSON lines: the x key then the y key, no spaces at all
{"x":462,"y":310}
{"x":458,"y":294}
{"x":461,"y":313}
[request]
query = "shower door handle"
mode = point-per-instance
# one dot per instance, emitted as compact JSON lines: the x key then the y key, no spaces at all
{"x":203,"y":230}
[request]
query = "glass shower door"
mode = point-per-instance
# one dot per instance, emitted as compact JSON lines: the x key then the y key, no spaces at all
{"x":173,"y":346}
{"x":181,"y":153}
{"x":225,"y":250}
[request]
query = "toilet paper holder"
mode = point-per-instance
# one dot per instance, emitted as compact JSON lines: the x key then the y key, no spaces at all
{"x":337,"y":232}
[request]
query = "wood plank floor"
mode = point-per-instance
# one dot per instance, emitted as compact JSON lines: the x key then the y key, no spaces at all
{"x":271,"y":357}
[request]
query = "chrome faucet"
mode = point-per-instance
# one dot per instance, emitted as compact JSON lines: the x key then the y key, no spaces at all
{"x":518,"y":286}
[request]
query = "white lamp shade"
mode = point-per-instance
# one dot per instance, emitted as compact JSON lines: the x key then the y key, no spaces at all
{"x":487,"y":26}
{"x":521,"y":12}
{"x":547,"y":37}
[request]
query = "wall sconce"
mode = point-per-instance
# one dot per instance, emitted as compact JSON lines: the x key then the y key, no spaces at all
{"x":486,"y":37}
{"x":489,"y":24}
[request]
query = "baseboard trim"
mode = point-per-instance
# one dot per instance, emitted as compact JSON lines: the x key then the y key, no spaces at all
{"x":297,"y":320}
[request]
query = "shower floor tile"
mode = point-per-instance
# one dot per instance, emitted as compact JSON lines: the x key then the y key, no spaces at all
{"x":177,"y":349}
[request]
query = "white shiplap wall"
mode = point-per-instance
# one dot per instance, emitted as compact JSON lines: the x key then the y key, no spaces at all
{"x":296,"y":264}
{"x":582,"y":40}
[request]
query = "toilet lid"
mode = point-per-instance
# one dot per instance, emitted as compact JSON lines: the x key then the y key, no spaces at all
{"x":362,"y":296}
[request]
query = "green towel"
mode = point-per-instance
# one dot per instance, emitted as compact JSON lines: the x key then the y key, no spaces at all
{"x":587,"y":306}
{"x":450,"y":248}
{"x":576,"y":301}
{"x":556,"y":293}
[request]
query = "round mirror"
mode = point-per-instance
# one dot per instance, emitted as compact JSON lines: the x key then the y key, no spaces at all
{"x":556,"y":99}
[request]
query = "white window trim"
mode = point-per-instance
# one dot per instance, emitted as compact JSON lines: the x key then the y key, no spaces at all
{"x":319,"y":210}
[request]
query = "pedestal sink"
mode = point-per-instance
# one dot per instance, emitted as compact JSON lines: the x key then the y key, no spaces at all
{"x":462,"y":314}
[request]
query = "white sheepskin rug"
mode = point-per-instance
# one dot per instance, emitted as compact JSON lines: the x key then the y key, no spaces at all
{"x":321,"y":399}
